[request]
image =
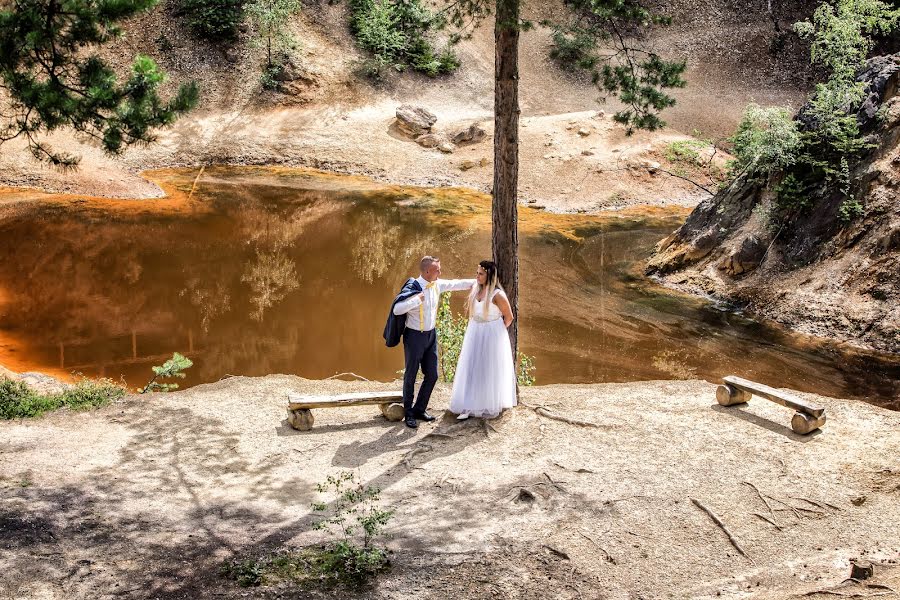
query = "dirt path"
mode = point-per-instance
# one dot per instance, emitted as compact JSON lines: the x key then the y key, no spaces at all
{"x":144,"y":499}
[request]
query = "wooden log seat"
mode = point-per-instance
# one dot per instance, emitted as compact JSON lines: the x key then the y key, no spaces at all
{"x":736,"y":390}
{"x":300,"y":406}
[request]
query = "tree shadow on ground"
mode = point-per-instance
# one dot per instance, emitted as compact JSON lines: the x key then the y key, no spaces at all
{"x":158,"y":523}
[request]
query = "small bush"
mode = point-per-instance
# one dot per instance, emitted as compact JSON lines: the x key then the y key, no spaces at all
{"x":850,"y":209}
{"x":328,"y":565}
{"x":18,"y":401}
{"x":92,"y":393}
{"x":214,"y":20}
{"x":574,"y":50}
{"x":451,"y":329}
{"x":766,"y":139}
{"x":394,"y":31}
{"x":171,"y":369}
{"x":269,"y":77}
{"x":525,"y":371}
{"x":791,"y":195}
{"x":686,"y":152}
{"x":351,"y":560}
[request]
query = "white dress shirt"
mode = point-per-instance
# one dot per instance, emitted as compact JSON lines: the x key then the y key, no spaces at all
{"x":410,"y":306}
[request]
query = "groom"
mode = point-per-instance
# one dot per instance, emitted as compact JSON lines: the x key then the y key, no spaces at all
{"x":418,"y":303}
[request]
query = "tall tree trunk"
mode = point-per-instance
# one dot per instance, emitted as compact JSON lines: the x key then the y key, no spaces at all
{"x":504,"y":212}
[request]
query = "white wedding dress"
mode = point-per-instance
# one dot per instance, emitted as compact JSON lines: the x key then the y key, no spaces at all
{"x":485,"y":381}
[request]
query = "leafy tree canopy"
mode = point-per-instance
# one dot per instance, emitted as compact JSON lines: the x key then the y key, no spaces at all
{"x":52,"y":80}
{"x":597,"y":37}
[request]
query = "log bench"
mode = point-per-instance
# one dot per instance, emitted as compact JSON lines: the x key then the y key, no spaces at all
{"x":736,"y":390}
{"x":300,"y":406}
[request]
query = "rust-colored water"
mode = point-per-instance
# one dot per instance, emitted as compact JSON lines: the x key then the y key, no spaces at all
{"x":256,"y":271}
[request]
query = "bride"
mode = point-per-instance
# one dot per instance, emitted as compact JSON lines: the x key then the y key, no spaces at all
{"x":485,"y":381}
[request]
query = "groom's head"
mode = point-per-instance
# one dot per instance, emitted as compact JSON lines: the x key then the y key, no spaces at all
{"x":430,"y":266}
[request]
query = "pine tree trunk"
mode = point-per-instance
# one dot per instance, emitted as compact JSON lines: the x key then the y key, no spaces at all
{"x":504,"y":213}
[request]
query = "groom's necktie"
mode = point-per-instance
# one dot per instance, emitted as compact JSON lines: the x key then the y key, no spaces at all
{"x":428,"y":286}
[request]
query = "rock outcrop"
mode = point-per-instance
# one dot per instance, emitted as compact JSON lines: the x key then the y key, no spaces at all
{"x":415,"y":121}
{"x":470,"y":135}
{"x":816,"y":273}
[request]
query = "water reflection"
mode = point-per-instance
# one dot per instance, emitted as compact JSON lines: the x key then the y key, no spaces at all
{"x":284,"y":271}
{"x":271,"y":277}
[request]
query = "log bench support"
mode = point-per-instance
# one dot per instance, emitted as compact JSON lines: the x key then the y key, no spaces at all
{"x":300,"y":407}
{"x":735,"y":390}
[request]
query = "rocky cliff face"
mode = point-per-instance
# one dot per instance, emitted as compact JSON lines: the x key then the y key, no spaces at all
{"x":818,"y":275}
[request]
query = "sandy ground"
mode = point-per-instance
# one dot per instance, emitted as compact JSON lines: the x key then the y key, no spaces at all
{"x":144,"y":499}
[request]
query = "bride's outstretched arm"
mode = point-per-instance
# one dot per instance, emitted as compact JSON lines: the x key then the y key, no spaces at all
{"x":502,"y":303}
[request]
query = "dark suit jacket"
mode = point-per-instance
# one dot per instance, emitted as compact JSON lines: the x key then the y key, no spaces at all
{"x":393,"y":329}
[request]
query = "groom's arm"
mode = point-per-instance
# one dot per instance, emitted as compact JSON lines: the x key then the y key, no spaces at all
{"x":455,"y":285}
{"x":404,"y":306}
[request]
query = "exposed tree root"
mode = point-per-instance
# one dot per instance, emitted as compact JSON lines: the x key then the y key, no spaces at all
{"x":719,"y":522}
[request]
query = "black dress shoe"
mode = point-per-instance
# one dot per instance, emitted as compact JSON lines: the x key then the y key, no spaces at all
{"x":425,"y":417}
{"x":410,"y":422}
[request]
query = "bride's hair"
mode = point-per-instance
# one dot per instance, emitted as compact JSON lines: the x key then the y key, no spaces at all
{"x":492,"y":282}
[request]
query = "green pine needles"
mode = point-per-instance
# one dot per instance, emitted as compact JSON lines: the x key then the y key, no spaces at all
{"x":52,"y":80}
{"x":172,"y":368}
{"x":214,"y":20}
{"x":636,"y":75}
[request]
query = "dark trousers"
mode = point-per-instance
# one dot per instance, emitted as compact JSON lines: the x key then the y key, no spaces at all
{"x":420,"y":350}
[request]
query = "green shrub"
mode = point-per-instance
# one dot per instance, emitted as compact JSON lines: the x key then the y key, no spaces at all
{"x":215,"y":20}
{"x":92,"y":393}
{"x":574,"y":49}
{"x":686,"y":152}
{"x":766,"y":139}
{"x":270,"y":19}
{"x":18,"y":401}
{"x":525,"y":370}
{"x":171,"y":369}
{"x":328,"y":565}
{"x":269,"y":77}
{"x":356,"y":520}
{"x":850,"y":209}
{"x":395,"y":31}
{"x":791,"y":195}
{"x":451,"y":330}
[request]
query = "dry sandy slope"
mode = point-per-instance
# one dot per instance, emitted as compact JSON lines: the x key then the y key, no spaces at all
{"x":145,"y":498}
{"x":342,"y":122}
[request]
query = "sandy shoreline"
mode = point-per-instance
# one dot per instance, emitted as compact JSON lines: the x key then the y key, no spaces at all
{"x":172,"y":485}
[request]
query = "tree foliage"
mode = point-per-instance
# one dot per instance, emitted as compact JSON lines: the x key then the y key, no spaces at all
{"x":628,"y":69}
{"x":396,"y":33}
{"x":766,"y":139}
{"x":214,"y":20}
{"x":171,"y":369}
{"x":270,"y":18}
{"x":52,"y":79}
{"x":826,"y":139}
